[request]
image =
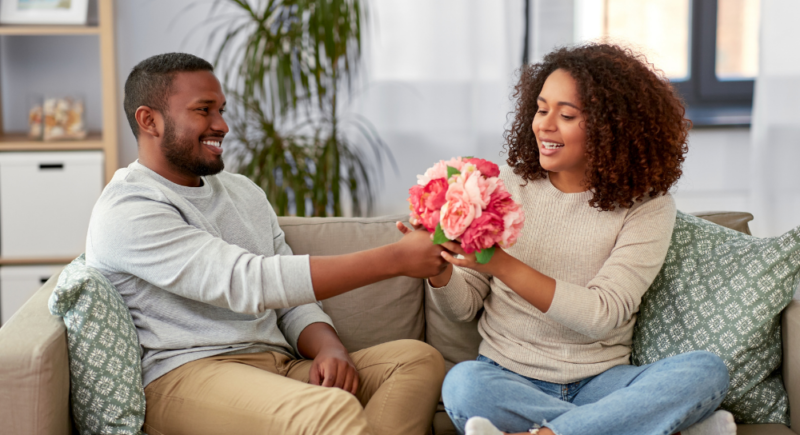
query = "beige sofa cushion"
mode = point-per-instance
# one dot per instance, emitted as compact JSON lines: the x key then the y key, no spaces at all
{"x":454,"y":340}
{"x":384,"y":311}
{"x":735,"y":220}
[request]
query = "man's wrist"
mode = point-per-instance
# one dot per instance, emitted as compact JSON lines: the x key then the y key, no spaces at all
{"x":392,"y":258}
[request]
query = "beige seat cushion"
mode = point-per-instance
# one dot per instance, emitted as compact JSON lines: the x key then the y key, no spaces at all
{"x":384,"y":311}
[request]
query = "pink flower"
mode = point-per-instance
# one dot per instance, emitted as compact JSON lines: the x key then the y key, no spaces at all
{"x":479,"y":188}
{"x":513,"y":216}
{"x":483,"y":233}
{"x":487,"y":168}
{"x":455,"y":162}
{"x":434,"y":194}
{"x":512,"y":223}
{"x":415,"y":203}
{"x":473,"y":205}
{"x":457,"y":213}
{"x":430,"y":219}
{"x":439,"y":170}
{"x":425,"y":202}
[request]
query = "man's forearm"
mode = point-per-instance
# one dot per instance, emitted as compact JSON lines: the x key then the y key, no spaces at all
{"x":334,"y":275}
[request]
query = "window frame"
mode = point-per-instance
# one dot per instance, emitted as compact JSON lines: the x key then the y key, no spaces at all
{"x":709,"y":101}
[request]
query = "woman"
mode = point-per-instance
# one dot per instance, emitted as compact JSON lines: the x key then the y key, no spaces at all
{"x":597,"y":142}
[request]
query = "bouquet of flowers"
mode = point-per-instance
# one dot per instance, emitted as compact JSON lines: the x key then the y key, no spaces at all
{"x":464,"y":199}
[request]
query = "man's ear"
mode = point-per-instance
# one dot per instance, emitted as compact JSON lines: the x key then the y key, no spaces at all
{"x":149,"y":121}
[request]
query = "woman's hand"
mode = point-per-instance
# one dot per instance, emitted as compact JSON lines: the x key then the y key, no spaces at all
{"x":469,"y":260}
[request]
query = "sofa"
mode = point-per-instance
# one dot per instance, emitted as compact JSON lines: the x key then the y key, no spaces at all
{"x":34,"y":371}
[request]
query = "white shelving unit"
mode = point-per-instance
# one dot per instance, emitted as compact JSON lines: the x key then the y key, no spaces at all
{"x":104,"y":141}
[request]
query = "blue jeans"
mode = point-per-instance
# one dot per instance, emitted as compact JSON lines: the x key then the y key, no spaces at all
{"x":660,"y":398}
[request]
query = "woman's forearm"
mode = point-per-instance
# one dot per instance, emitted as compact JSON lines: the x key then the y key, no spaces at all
{"x":533,"y":286}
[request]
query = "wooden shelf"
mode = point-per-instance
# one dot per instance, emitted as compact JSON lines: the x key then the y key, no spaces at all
{"x":21,"y":142}
{"x":36,"y":261}
{"x":49,"y":30}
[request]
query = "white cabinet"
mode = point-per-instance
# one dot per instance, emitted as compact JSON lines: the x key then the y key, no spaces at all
{"x":46,"y":199}
{"x":18,"y":284}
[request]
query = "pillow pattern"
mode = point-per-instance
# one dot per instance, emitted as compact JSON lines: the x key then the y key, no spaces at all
{"x":723,"y":291}
{"x":105,"y":368}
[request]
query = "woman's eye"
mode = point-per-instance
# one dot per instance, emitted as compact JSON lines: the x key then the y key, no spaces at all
{"x":567,"y":117}
{"x":541,"y":112}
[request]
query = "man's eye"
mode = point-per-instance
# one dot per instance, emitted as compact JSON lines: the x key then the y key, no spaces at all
{"x":222,"y":111}
{"x":203,"y":109}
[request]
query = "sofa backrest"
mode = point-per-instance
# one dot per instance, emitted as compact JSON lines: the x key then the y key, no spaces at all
{"x":374,"y":314}
{"x":393,"y":309}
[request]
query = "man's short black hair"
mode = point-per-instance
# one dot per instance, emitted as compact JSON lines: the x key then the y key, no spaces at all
{"x":150,"y":81}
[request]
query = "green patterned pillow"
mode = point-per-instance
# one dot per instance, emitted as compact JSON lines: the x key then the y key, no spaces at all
{"x":105,"y":367}
{"x":723,"y":291}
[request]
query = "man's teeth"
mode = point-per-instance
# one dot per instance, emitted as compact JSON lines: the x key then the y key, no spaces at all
{"x":552,"y":145}
{"x":212,"y":143}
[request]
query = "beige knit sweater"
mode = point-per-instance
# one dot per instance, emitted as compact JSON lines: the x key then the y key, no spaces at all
{"x":602,"y":261}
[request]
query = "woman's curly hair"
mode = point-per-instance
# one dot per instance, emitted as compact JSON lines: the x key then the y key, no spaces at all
{"x":635,"y":127}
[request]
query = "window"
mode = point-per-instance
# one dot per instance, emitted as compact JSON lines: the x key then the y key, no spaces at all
{"x":708,"y":48}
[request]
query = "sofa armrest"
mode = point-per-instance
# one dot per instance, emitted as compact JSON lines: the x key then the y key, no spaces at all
{"x":790,"y":328}
{"x":34,"y":369}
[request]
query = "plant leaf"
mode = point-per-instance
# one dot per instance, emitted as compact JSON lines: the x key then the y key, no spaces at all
{"x":485,"y":255}
{"x":438,"y":235}
{"x":452,"y":171}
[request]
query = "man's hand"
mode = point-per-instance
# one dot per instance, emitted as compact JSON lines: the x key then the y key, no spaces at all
{"x":419,"y":256}
{"x":333,"y":368}
{"x":332,"y":365}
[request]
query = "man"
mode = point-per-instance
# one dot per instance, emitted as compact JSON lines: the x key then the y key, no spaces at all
{"x":221,"y":306}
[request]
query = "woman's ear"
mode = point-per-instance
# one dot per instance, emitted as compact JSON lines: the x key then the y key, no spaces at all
{"x":149,"y":121}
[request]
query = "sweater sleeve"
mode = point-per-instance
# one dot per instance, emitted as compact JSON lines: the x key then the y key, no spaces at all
{"x":138,"y":232}
{"x":613,"y":296}
{"x":292,"y":321}
{"x":462,"y":298}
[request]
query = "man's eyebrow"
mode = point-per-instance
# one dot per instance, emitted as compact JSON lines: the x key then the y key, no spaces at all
{"x":560,"y":103}
{"x":209,"y":102}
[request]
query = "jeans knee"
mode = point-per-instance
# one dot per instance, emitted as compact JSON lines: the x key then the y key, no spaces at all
{"x":712,"y":368}
{"x":463,"y":386}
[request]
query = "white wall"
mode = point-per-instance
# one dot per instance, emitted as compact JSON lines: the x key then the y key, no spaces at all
{"x":715,"y":171}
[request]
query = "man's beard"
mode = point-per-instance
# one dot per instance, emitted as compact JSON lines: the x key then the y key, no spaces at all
{"x":181,"y":153}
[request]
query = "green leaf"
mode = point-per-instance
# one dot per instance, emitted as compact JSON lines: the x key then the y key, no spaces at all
{"x":452,"y":171}
{"x":485,"y":255}
{"x":438,"y":236}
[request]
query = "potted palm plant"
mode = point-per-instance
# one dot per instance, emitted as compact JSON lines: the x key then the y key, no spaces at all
{"x":287,"y":66}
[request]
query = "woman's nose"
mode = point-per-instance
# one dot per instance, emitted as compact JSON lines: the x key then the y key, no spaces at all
{"x":546,"y":123}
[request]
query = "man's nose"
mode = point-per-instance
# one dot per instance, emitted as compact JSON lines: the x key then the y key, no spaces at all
{"x":219,"y":124}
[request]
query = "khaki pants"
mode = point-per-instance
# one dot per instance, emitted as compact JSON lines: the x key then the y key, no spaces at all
{"x":268,"y":393}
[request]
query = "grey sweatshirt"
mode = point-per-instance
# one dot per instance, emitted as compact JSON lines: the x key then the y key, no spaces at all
{"x":204,"y":270}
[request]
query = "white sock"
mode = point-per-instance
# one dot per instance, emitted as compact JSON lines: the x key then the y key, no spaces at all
{"x":720,"y":423}
{"x":481,"y":426}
